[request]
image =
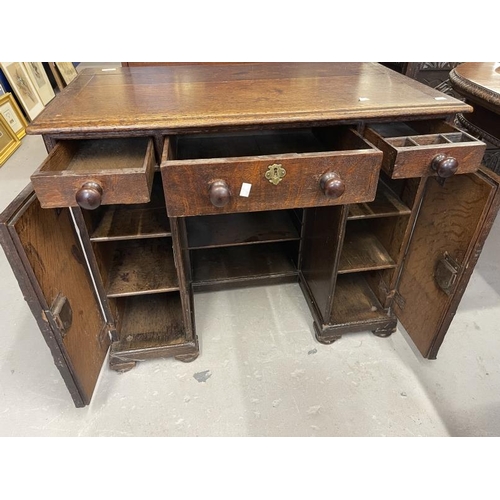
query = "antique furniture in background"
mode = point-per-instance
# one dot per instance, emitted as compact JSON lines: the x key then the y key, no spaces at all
{"x":160,"y":182}
{"x":479,"y":83}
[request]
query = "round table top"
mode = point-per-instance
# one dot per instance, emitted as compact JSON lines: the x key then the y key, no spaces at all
{"x":479,"y":82}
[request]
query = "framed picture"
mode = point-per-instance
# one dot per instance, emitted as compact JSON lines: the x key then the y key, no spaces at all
{"x":23,"y":88}
{"x":67,"y":70}
{"x":40,"y":81}
{"x":8,"y":141}
{"x":13,"y":115}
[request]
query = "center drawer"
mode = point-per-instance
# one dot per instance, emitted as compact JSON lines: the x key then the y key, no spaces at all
{"x":268,"y":170}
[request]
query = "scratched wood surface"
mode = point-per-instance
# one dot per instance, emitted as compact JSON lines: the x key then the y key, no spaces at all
{"x":450,"y":220}
{"x":58,"y":264}
{"x":134,"y":99}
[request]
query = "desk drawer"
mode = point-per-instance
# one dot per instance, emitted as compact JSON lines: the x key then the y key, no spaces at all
{"x":272,"y":170}
{"x":91,"y":173}
{"x":427,"y":148}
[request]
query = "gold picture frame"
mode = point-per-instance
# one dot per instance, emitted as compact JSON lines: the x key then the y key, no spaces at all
{"x":23,"y":88}
{"x":40,"y":81}
{"x":8,"y":141}
{"x":13,"y":115}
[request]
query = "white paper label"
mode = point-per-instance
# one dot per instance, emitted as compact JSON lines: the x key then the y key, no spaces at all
{"x":245,"y":189}
{"x":362,"y":99}
{"x":440,"y":98}
{"x":108,"y":69}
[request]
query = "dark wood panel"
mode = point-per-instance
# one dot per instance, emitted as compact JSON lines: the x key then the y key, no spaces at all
{"x":176,"y":97}
{"x":49,"y":248}
{"x":142,"y":267}
{"x":386,"y":204}
{"x":240,"y":229}
{"x":452,"y":223}
{"x":362,"y":251}
{"x":322,"y":239}
{"x":242,"y":263}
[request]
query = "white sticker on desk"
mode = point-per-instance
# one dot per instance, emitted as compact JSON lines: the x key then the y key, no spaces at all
{"x":245,"y":189}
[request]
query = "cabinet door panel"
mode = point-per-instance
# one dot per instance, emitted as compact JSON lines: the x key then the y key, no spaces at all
{"x":44,"y":251}
{"x":451,"y":228}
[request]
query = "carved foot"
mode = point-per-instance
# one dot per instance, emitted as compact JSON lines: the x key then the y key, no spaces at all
{"x":119,"y":365}
{"x":384,"y":331}
{"x":187,"y":358}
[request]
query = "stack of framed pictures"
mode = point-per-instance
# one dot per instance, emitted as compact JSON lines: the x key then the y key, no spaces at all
{"x":30,"y":84}
{"x":9,"y":141}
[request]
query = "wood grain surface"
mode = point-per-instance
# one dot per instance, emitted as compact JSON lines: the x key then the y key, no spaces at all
{"x":450,"y":221}
{"x":179,"y":97}
{"x":52,"y":252}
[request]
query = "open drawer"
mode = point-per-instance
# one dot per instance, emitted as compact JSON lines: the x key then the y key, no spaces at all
{"x":426,"y":148}
{"x":267,"y":170}
{"x":91,"y":173}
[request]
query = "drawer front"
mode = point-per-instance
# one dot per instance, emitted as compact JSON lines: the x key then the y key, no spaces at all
{"x":92,"y":173}
{"x":272,"y":182}
{"x":423,"y":149}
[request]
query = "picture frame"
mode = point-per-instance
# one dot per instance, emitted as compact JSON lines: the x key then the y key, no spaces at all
{"x":23,"y":88}
{"x":8,"y":141}
{"x":13,"y":115}
{"x":40,"y":81}
{"x":67,"y":71}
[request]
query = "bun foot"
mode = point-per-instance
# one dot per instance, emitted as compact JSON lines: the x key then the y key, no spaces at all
{"x":119,"y":365}
{"x":384,"y":331}
{"x":187,"y":358}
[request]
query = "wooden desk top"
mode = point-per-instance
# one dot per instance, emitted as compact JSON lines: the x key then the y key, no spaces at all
{"x":479,"y":82}
{"x":180,"y":97}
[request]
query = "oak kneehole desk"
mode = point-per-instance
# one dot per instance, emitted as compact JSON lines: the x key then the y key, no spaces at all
{"x":348,"y":178}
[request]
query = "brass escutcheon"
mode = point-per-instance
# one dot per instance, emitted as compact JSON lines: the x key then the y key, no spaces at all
{"x":275,"y":173}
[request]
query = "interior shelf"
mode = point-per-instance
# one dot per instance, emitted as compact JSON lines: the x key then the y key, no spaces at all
{"x":240,"y":229}
{"x":354,"y":301}
{"x":150,"y":322}
{"x":126,"y":222}
{"x":142,"y":267}
{"x":386,"y":204}
{"x":122,"y":222}
{"x":362,"y":251}
{"x":240,"y":264}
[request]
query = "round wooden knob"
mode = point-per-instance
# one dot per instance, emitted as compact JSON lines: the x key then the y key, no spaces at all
{"x":219,"y":193}
{"x":89,"y":196}
{"x":332,"y":185}
{"x":445,"y":166}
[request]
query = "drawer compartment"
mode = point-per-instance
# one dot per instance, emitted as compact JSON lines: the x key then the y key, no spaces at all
{"x":269,"y":170}
{"x":91,"y":173}
{"x":427,"y":148}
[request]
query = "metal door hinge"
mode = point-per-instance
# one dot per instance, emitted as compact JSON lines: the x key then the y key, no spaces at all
{"x":446,"y":273}
{"x":62,"y":314}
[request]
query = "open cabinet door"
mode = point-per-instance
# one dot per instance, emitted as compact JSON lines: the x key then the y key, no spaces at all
{"x":453,"y":223}
{"x":45,"y":254}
